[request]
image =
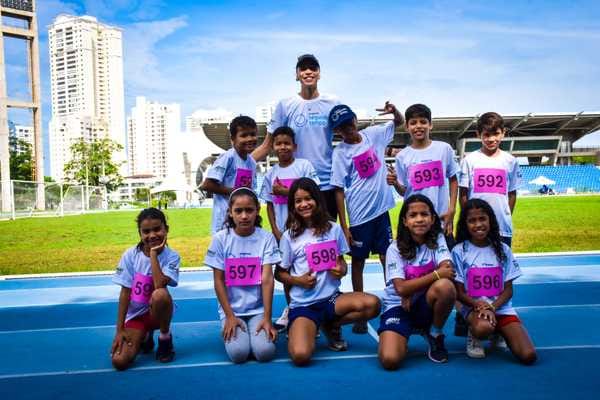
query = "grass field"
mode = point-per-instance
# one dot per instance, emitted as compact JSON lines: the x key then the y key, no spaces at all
{"x":96,"y":241}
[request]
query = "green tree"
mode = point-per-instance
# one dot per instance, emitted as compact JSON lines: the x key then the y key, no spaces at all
{"x":21,"y":159}
{"x":141,"y":194}
{"x":92,"y":163}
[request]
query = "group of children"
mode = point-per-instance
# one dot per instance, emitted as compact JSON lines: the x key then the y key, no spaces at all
{"x":428,"y":271}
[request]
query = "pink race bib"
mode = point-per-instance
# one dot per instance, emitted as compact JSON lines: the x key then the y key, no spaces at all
{"x":321,"y":256}
{"x":367,"y":163}
{"x":142,"y":288}
{"x":278,"y":199}
{"x":426,"y":175}
{"x":484,"y":281}
{"x":490,"y":180}
{"x":417,"y":271}
{"x":243,"y":271}
{"x":243,"y":178}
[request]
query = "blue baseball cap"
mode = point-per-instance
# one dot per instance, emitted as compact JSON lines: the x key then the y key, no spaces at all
{"x":339,"y":115}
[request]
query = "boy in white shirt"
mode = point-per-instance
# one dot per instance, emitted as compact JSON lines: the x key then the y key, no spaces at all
{"x":491,"y":174}
{"x":427,"y":167}
{"x":359,"y":176}
{"x":233,"y":169}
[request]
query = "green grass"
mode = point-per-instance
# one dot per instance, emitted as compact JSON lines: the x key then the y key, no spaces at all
{"x":96,"y":241}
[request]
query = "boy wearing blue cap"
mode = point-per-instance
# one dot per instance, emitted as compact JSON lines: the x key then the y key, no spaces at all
{"x":359,"y":177}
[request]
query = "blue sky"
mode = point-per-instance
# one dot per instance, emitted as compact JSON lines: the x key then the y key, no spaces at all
{"x":459,"y":57}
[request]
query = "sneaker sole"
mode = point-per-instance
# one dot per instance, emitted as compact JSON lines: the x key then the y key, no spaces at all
{"x":475,"y":355}
{"x":434,"y":360}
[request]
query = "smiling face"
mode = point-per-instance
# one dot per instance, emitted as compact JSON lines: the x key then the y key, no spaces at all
{"x":243,"y":211}
{"x":245,"y":140}
{"x":478,"y":225}
{"x":419,"y":128}
{"x":304,"y":204}
{"x":491,"y":140}
{"x":308,"y":75}
{"x":152,"y":232}
{"x":418,"y":220}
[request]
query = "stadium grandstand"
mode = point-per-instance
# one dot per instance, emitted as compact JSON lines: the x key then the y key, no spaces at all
{"x":542,"y":142}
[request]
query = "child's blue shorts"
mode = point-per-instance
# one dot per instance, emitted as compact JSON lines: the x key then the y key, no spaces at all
{"x":405,"y":323}
{"x":373,"y":236}
{"x":322,"y":311}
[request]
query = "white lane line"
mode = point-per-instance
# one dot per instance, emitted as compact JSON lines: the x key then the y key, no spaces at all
{"x":372,"y":331}
{"x":227,"y":363}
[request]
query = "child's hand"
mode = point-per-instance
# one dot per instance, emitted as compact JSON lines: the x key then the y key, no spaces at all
{"x":448,"y":222}
{"x":160,"y":247}
{"x":307,"y":281}
{"x":340,"y":268}
{"x":267,"y":326}
{"x":391,"y":178}
{"x":488,"y":315}
{"x":121,"y":339}
{"x":231,"y":323}
{"x":446,"y":271}
{"x":481,"y":305}
{"x":279,"y":188}
{"x":388,"y":108}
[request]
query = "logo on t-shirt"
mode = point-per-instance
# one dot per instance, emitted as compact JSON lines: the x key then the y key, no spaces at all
{"x":119,"y":270}
{"x":300,"y":120}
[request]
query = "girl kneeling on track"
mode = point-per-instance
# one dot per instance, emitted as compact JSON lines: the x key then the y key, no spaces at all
{"x":241,"y":256}
{"x":419,"y":293}
{"x":486,"y":268}
{"x":312,"y":265}
{"x":145,"y":304}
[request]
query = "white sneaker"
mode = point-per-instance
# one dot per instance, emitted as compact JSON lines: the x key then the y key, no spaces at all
{"x":498,"y":342}
{"x":474,"y":347}
{"x":282,"y":322}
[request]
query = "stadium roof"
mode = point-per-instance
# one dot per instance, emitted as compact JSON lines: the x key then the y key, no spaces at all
{"x":571,"y":126}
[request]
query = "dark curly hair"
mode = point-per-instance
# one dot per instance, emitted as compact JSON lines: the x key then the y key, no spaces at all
{"x":493,"y":237}
{"x":406,"y":244}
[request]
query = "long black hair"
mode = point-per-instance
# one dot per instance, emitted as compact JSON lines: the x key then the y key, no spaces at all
{"x":406,"y":244}
{"x":243,"y":191}
{"x":493,"y":237}
{"x":149,"y":213}
{"x":319,"y":219}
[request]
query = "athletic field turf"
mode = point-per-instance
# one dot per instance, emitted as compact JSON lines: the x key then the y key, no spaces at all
{"x":96,"y":241}
{"x":56,"y":333}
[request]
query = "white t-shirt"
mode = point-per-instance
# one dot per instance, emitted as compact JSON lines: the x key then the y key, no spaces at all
{"x":309,"y":120}
{"x":293,"y":258}
{"x":244,"y":300}
{"x":300,"y":168}
{"x":496,"y":177}
{"x":466,"y":256}
{"x":397,"y":267}
{"x":427,"y":169}
{"x":366,"y":197}
{"x":224,"y":171}
{"x":135,"y":261}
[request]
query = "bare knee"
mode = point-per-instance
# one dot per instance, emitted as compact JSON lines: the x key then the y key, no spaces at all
{"x":372,"y":306}
{"x":527,"y":357}
{"x":444,"y":289}
{"x":300,"y":355}
{"x":161,"y":297}
{"x":391,"y":362}
{"x":121,"y":362}
{"x":481,"y":329}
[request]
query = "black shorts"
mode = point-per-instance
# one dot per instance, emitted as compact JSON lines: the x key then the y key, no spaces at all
{"x":329,"y":198}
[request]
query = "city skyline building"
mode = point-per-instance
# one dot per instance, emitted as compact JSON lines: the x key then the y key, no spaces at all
{"x":24,"y":133}
{"x":152,"y":130}
{"x":86,"y":74}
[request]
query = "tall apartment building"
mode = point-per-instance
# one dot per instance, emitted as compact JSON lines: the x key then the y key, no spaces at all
{"x":152,"y":130}
{"x":21,"y":132}
{"x":86,"y":72}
